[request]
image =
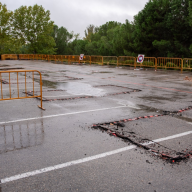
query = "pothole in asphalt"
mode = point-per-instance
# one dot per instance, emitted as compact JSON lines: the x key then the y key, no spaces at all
{"x":121,"y":129}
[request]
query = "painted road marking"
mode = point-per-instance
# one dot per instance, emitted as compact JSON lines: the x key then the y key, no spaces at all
{"x":87,"y":159}
{"x":189,"y":123}
{"x":64,"y":114}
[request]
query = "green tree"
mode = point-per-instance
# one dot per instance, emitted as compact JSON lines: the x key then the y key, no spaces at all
{"x":162,"y":29}
{"x":32,"y":26}
{"x":61,"y":37}
{"x":8,"y":44}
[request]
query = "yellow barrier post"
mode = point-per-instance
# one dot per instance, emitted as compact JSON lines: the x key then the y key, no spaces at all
{"x":182,"y":66}
{"x":135,"y":63}
{"x":90,"y":60}
{"x":102,"y":60}
{"x":155,"y":63}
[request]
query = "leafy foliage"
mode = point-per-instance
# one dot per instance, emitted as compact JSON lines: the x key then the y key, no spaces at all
{"x":61,"y":37}
{"x":163,"y":28}
{"x":8,"y":44}
{"x":33,"y":28}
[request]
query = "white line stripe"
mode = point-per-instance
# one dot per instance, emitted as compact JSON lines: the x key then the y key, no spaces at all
{"x":64,"y":114}
{"x":102,"y":155}
{"x":190,"y":123}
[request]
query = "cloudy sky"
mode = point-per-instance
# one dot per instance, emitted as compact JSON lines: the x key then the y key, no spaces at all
{"x":76,"y":15}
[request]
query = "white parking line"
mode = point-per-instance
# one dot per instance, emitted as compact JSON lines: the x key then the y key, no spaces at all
{"x":102,"y":155}
{"x":64,"y":114}
{"x":190,"y":123}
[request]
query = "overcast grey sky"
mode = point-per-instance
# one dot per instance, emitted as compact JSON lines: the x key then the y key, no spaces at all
{"x":76,"y":15}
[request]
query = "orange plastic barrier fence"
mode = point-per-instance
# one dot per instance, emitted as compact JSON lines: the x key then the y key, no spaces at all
{"x":9,"y":56}
{"x":14,"y":83}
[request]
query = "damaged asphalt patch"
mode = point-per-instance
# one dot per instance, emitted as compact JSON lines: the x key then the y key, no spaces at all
{"x":141,"y":131}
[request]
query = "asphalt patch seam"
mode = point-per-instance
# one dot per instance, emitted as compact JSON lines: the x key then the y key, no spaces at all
{"x":30,"y":93}
{"x":112,"y":129}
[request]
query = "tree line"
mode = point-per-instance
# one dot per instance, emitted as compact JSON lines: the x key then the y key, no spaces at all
{"x":162,"y":29}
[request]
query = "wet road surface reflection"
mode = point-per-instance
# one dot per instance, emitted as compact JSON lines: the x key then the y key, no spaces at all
{"x":17,"y":137}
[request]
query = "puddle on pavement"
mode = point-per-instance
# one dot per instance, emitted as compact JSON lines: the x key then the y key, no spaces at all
{"x":18,"y":137}
{"x":47,"y":83}
{"x":74,"y":88}
{"x":77,"y":88}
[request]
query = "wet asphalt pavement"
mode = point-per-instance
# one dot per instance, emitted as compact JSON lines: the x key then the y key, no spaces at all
{"x":76,"y":97}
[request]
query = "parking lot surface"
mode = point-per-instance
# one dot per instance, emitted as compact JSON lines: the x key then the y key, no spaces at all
{"x":103,"y":129}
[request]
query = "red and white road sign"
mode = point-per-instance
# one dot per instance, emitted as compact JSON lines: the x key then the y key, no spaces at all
{"x":81,"y":57}
{"x":140,"y":58}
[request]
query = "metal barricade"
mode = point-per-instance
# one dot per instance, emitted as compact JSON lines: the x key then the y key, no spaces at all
{"x":9,"y":56}
{"x":187,"y":63}
{"x":96,"y":59}
{"x":25,"y":56}
{"x":172,"y":63}
{"x":148,"y":62}
{"x":74,"y":59}
{"x":86,"y":59}
{"x":44,"y":57}
{"x":58,"y":58}
{"x":9,"y":82}
{"x":65,"y":58}
{"x":109,"y":60}
{"x":51,"y":58}
{"x":31,"y":57}
{"x":126,"y":60}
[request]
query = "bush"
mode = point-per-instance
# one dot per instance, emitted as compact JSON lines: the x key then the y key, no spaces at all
{"x":148,"y":63}
{"x":170,"y":64}
{"x":127,"y":62}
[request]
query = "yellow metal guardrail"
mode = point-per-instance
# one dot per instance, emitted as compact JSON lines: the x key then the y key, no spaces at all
{"x":166,"y":62}
{"x":148,"y":62}
{"x":9,"y":56}
{"x":109,"y":60}
{"x":8,"y":81}
{"x":187,"y":63}
{"x":126,"y":60}
{"x":153,"y":62}
{"x":95,"y":59}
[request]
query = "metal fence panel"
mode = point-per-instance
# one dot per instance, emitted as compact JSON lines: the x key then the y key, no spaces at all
{"x":13,"y":86}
